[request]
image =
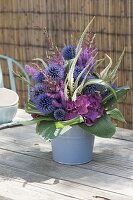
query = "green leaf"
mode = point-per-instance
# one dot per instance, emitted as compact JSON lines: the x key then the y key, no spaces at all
{"x":116,"y":114}
{"x":102,"y":128}
{"x":101,"y":82}
{"x":83,"y":36}
{"x":104,"y":73}
{"x":71,"y":71}
{"x":113,"y":72}
{"x":31,"y":109}
{"x":48,"y":130}
{"x":76,"y":120}
{"x":38,"y":119}
{"x":120,"y":92}
{"x":41,"y":60}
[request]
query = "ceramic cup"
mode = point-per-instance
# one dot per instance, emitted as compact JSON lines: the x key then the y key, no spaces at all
{"x":8,"y":105}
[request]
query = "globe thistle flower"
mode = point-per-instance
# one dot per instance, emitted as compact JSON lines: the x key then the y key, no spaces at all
{"x":38,"y":77}
{"x":32,"y":94}
{"x":69,"y":52}
{"x":40,"y":88}
{"x":36,"y":91}
{"x":44,"y":104}
{"x":90,"y":89}
{"x":55,"y":71}
{"x":77,"y":71}
{"x":59,"y":114}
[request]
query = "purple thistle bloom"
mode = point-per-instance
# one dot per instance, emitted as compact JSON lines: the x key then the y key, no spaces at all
{"x":55,"y":71}
{"x":36,"y":91}
{"x":90,"y":89}
{"x":69,"y":52}
{"x":44,"y":104}
{"x":38,"y":77}
{"x":30,"y":70}
{"x":59,"y":114}
{"x":77,"y":71}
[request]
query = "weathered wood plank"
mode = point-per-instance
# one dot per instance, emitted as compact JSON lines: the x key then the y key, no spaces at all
{"x":28,"y":178}
{"x":38,"y":150}
{"x":124,"y":134}
{"x":70,"y":173}
{"x":110,"y":173}
{"x":5,"y":198}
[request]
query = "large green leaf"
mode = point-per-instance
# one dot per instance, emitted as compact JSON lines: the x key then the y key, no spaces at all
{"x":31,"y":109}
{"x":101,"y":82}
{"x":103,"y":127}
{"x":120,"y":92}
{"x":38,"y":119}
{"x":76,"y":120}
{"x":48,"y":130}
{"x":116,"y":114}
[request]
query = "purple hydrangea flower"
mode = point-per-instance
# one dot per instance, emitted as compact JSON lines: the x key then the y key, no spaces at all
{"x":76,"y":108}
{"x":95,"y":109}
{"x":59,"y":114}
{"x":69,"y":52}
{"x":38,"y":77}
{"x":55,"y":71}
{"x":44,"y":104}
{"x":30,"y":70}
{"x":89,"y":107}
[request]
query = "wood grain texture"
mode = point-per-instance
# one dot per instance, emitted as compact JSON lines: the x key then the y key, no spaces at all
{"x":27,"y":170}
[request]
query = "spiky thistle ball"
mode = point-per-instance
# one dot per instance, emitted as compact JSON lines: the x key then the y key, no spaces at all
{"x":38,"y":77}
{"x":55,"y":71}
{"x":44,"y":104}
{"x":36,"y":91}
{"x":59,"y":114}
{"x":69,"y":52}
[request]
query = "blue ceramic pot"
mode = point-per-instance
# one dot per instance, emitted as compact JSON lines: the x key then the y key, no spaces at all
{"x":73,"y":147}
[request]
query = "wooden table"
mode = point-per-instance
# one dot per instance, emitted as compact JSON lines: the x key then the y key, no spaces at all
{"x":27,"y":171}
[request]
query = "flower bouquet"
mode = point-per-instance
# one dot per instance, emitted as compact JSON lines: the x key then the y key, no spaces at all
{"x":69,"y":96}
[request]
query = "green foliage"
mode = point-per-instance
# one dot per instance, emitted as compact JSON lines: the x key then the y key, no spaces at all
{"x":101,"y":82}
{"x":31,"y":109}
{"x":116,"y":114}
{"x":42,"y":61}
{"x":109,"y":73}
{"x":102,"y":128}
{"x":83,"y":35}
{"x":110,"y":100}
{"x":76,"y":120}
{"x":48,"y":130}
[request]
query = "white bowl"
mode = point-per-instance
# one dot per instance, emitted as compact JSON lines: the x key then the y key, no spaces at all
{"x":8,"y":105}
{"x":7,"y":113}
{"x":8,"y":97}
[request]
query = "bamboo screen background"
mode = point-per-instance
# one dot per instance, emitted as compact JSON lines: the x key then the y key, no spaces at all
{"x":113,"y":26}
